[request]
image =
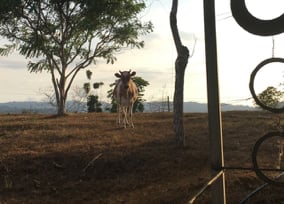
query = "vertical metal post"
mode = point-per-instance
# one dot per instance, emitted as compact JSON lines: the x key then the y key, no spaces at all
{"x":168,"y":102}
{"x":214,"y":114}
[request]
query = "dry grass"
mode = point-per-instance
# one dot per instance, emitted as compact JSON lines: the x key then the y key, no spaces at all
{"x":44,"y":159}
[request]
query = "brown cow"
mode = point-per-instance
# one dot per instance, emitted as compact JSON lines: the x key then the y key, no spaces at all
{"x":125,"y":94}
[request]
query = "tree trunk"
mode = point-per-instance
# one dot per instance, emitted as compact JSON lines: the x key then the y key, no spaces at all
{"x":180,"y":66}
{"x":61,"y":111}
{"x":59,"y":90}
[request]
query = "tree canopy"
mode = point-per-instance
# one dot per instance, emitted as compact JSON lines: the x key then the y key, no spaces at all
{"x":64,"y":36}
{"x":271,"y":97}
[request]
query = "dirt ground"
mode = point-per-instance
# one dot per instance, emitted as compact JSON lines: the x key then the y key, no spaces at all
{"x":87,"y":158}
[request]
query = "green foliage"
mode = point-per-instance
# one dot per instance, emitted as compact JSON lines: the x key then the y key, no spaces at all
{"x":113,"y":107}
{"x":138,"y":105}
{"x":89,"y":74}
{"x":270,"y":96}
{"x":93,"y":104}
{"x":87,"y":87}
{"x":97,"y":85}
{"x":9,"y":9}
{"x":141,"y":84}
{"x":4,"y":51}
{"x":66,"y":29}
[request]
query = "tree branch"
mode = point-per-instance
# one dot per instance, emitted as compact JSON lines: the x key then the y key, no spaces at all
{"x":173,"y":24}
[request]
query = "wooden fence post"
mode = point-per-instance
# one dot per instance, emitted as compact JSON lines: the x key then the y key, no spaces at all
{"x":214,"y":114}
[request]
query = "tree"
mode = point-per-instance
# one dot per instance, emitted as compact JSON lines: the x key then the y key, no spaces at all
{"x":180,"y":66}
{"x":76,"y":103}
{"x":93,"y":103}
{"x":78,"y":100}
{"x":66,"y":36}
{"x":138,"y":105}
{"x":141,"y":84}
{"x":270,"y":96}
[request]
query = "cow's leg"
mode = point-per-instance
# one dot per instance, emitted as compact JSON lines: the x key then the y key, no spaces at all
{"x":118,"y":114}
{"x":130,"y":115}
{"x":124,"y":110}
{"x":126,"y":114}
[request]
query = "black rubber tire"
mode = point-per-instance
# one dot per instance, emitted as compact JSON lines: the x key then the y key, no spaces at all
{"x":251,"y":84}
{"x":258,"y":170}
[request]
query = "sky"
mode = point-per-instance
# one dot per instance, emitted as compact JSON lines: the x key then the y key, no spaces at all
{"x":239,"y":52}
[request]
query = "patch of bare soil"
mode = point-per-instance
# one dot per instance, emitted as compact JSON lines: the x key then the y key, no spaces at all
{"x":87,"y":158}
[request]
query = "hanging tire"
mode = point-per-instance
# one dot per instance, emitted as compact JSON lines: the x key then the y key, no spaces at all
{"x":266,"y":165}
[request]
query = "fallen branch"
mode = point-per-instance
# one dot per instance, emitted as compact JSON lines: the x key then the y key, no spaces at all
{"x":59,"y":166}
{"x":91,"y":163}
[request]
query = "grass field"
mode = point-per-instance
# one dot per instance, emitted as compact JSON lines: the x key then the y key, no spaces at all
{"x":87,"y":158}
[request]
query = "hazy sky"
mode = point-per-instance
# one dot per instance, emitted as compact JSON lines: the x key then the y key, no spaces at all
{"x":238,"y":54}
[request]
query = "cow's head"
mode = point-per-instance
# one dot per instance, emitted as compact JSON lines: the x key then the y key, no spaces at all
{"x":125,"y":77}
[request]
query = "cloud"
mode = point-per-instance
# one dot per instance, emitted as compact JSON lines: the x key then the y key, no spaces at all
{"x":20,"y":85}
{"x":13,"y":61}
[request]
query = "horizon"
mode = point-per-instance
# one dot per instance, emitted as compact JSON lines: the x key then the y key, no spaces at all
{"x":145,"y":102}
{"x":44,"y":107}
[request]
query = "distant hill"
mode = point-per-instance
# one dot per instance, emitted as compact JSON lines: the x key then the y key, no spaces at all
{"x":230,"y":107}
{"x":26,"y":107}
{"x":44,"y":107}
{"x":202,"y":107}
{"x":193,"y":107}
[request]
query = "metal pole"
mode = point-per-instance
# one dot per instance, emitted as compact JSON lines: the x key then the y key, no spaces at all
{"x":168,"y":103}
{"x":214,"y":114}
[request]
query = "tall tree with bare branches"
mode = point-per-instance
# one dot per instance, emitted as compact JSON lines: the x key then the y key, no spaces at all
{"x":180,"y":66}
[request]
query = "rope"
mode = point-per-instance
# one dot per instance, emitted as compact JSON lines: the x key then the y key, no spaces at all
{"x":257,"y":190}
{"x":206,"y":186}
{"x":250,"y":168}
{"x":253,"y":193}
